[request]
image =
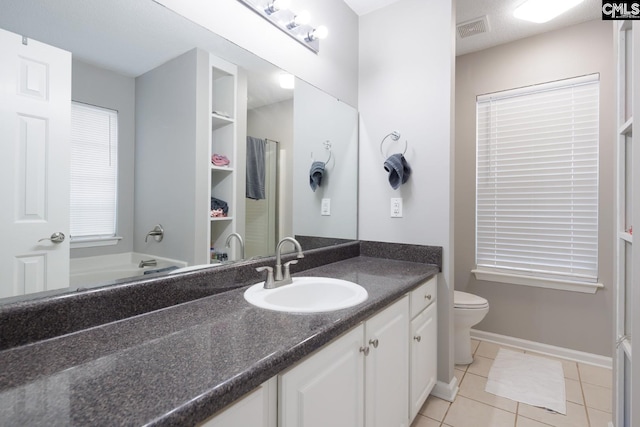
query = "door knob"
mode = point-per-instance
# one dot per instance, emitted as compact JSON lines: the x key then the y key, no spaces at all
{"x":56,"y":237}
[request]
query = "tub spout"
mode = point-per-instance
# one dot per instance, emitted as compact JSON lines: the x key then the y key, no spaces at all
{"x":148,"y":263}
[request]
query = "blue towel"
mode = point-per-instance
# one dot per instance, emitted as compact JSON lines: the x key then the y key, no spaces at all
{"x":399,"y":170}
{"x":315,"y":174}
{"x":255,"y":168}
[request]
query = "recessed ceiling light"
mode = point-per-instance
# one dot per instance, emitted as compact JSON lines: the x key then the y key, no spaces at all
{"x":540,"y":11}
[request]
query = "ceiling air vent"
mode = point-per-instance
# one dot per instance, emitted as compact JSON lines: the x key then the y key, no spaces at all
{"x":473,"y":27}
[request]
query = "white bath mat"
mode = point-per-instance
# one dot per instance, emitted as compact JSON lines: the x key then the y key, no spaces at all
{"x":528,"y":379}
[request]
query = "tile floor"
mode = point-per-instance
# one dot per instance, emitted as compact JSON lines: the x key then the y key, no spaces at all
{"x":588,"y":391}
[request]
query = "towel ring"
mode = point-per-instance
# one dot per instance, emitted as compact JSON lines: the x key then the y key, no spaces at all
{"x":395,"y":135}
{"x":327,"y":146}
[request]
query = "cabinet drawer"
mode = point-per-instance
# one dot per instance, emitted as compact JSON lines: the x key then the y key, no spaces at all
{"x":423,"y":296}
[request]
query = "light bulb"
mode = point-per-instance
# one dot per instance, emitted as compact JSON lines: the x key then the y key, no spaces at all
{"x":319,"y":33}
{"x":287,"y":81}
{"x":277,"y":5}
{"x":301,"y":18}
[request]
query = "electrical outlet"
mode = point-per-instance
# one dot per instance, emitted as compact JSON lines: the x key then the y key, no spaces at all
{"x":325,"y":208}
{"x":396,"y":207}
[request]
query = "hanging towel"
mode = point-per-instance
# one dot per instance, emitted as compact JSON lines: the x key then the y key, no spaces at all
{"x":399,"y":170}
{"x":255,"y":168}
{"x":315,"y":174}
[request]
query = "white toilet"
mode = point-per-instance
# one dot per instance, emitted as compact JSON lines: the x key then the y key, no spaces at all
{"x":468,"y":310}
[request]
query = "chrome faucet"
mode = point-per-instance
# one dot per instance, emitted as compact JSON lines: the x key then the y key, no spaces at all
{"x":281,"y":279}
{"x":157,"y":233}
{"x":147,"y":263}
{"x":237,"y":236}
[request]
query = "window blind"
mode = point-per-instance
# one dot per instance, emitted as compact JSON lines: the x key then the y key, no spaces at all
{"x":94,"y":171}
{"x":537,"y":180}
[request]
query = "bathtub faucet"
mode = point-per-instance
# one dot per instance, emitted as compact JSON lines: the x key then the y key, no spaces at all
{"x":148,"y":263}
{"x":157,"y":233}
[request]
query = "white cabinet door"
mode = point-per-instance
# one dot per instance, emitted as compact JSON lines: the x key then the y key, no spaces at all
{"x":257,"y":409}
{"x":327,"y":389}
{"x":424,"y":357}
{"x":35,"y":123}
{"x":387,"y":367}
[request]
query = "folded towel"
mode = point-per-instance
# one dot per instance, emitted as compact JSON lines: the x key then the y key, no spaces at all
{"x":315,"y":174}
{"x":255,"y":173}
{"x":399,"y":170}
{"x":219,"y":160}
{"x":219,"y":204}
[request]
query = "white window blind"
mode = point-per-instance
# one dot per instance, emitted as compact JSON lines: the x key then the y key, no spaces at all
{"x":537,"y":180}
{"x":94,"y":171}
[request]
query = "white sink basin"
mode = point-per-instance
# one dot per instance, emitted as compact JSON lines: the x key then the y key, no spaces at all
{"x":307,"y":295}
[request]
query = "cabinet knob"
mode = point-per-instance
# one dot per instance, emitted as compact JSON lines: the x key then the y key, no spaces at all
{"x":428,"y":297}
{"x":374,"y":343}
{"x":417,"y":338}
{"x":364,"y":350}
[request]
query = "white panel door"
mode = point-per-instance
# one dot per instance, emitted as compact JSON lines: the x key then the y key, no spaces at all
{"x":387,"y":367}
{"x":35,"y":111}
{"x":327,"y":389}
{"x":424,"y":358}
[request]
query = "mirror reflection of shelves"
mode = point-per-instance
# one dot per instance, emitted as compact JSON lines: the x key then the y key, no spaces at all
{"x":223,"y":144}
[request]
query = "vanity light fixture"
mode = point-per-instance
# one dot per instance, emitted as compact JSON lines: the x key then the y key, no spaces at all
{"x":540,"y":11}
{"x":296,"y":25}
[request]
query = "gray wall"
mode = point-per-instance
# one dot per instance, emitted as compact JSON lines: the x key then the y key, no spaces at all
{"x":407,"y":66}
{"x":172,"y":160}
{"x":107,"y":89}
{"x":567,"y":319}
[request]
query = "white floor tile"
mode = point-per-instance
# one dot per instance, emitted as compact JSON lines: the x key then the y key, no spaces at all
{"x":597,"y":397}
{"x":598,"y":418}
{"x":574,"y":391}
{"x":469,"y":413}
{"x":473,"y":388}
{"x":422,"y":421}
{"x":435,"y":408}
{"x":576,"y":415}
{"x":480,"y":366}
{"x":490,"y":350}
{"x":526,"y":422}
{"x":595,"y":375}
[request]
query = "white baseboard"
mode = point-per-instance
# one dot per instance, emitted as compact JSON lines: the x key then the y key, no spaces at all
{"x":550,"y":350}
{"x":446,"y":391}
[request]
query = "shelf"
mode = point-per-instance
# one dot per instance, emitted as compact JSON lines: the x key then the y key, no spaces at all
{"x":221,"y":218}
{"x":221,"y":168}
{"x":218,"y":121}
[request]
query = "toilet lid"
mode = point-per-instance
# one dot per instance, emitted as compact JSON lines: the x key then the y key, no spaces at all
{"x":466,"y":300}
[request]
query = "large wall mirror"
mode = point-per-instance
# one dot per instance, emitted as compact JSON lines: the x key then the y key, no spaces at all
{"x":121,"y":50}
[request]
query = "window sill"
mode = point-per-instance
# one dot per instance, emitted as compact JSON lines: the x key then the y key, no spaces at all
{"x":90,"y":242}
{"x":515,"y":279}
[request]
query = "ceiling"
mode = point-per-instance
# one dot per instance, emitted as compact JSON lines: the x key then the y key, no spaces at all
{"x":503,"y":27}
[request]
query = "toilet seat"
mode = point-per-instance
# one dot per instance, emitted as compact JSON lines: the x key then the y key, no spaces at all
{"x":468,"y":301}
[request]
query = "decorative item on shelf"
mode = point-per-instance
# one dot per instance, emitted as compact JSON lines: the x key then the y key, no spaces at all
{"x":296,"y":25}
{"x":219,"y":208}
{"x":396,"y":165}
{"x":318,"y":169}
{"x":219,"y":160}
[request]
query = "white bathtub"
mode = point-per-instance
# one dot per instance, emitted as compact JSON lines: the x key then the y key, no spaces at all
{"x":105,"y":268}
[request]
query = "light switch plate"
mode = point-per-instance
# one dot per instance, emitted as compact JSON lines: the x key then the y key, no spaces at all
{"x":325,"y":209}
{"x":396,"y":207}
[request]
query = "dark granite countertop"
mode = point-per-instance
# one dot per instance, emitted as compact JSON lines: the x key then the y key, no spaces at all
{"x":180,"y":364}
